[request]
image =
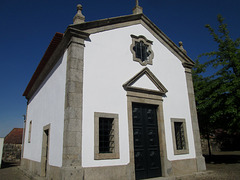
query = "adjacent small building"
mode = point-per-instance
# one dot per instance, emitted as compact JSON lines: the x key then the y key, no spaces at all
{"x":112,"y":99}
{"x":13,"y":146}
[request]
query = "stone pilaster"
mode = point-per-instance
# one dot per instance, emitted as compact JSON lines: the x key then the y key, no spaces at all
{"x":200,"y":160}
{"x":72,"y":136}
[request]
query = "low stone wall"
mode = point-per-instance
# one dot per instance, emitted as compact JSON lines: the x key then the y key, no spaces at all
{"x":214,"y":144}
{"x":12,"y":152}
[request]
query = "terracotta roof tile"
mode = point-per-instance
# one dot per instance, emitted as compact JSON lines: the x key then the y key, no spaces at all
{"x":51,"y":48}
{"x":14,"y":137}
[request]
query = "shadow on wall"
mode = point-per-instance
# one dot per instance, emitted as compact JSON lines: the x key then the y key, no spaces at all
{"x":9,"y":164}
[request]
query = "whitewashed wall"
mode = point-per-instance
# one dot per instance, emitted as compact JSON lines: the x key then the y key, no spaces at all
{"x":108,"y":64}
{"x":47,"y":107}
{"x":1,"y":150}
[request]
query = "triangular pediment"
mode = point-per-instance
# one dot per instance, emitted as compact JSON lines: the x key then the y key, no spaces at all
{"x":145,"y":81}
{"x":128,"y":20}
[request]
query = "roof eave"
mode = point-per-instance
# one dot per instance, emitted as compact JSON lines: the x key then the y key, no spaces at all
{"x":54,"y":51}
{"x":48,"y":53}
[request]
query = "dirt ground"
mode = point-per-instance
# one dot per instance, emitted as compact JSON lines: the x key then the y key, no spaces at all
{"x":220,"y":166}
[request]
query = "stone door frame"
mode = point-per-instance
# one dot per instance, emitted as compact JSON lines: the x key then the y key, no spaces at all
{"x":144,"y":98}
{"x":45,"y":152}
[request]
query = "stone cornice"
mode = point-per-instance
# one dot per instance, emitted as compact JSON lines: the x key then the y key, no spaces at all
{"x":128,"y":20}
{"x":168,"y":42}
{"x":73,"y":32}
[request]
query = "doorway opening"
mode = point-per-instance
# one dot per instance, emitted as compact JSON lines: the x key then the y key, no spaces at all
{"x":45,"y":150}
{"x":146,"y":141}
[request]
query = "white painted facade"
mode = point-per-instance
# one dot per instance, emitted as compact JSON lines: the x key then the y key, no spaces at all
{"x":47,"y":107}
{"x":1,"y":150}
{"x":108,"y":64}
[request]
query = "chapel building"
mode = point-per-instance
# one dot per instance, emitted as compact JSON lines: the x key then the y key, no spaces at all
{"x":112,"y":99}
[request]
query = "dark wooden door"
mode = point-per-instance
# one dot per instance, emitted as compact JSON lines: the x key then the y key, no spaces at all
{"x":146,"y":141}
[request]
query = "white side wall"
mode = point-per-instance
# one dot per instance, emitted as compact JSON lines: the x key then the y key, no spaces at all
{"x":47,"y":107}
{"x":1,"y":150}
{"x":108,"y":64}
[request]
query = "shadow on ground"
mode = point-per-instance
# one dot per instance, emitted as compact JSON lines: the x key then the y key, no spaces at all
{"x":218,"y":159}
{"x":9,"y":164}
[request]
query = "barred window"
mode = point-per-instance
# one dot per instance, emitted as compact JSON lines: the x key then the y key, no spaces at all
{"x":141,"y":49}
{"x":106,"y":136}
{"x":179,"y":135}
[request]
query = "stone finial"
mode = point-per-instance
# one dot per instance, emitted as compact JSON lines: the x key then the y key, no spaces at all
{"x":137,"y":4}
{"x":181,"y":47}
{"x":138,"y":9}
{"x":79,"y":17}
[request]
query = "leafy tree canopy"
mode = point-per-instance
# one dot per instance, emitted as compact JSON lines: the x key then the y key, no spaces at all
{"x":218,"y":91}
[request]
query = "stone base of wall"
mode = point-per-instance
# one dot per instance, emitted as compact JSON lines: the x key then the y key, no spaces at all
{"x":33,"y":169}
{"x":188,"y":166}
{"x":182,"y":167}
{"x":110,"y":172}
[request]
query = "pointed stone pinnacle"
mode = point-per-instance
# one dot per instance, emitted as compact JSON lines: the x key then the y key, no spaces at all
{"x":79,"y":17}
{"x":138,"y":9}
{"x":181,"y":47}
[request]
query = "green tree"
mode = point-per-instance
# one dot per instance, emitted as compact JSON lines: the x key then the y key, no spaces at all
{"x":217,"y":83}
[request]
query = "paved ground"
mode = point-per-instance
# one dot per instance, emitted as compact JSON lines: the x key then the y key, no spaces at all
{"x":12,"y":172}
{"x":220,"y":167}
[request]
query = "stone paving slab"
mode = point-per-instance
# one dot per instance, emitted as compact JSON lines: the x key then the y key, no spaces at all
{"x":12,"y":173}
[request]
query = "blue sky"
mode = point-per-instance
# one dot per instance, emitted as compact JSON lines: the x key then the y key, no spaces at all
{"x":27,"y":27}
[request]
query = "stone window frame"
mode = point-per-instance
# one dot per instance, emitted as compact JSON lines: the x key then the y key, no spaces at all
{"x":179,"y":151}
{"x":97,"y":154}
{"x":29,"y":132}
{"x":147,"y":42}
